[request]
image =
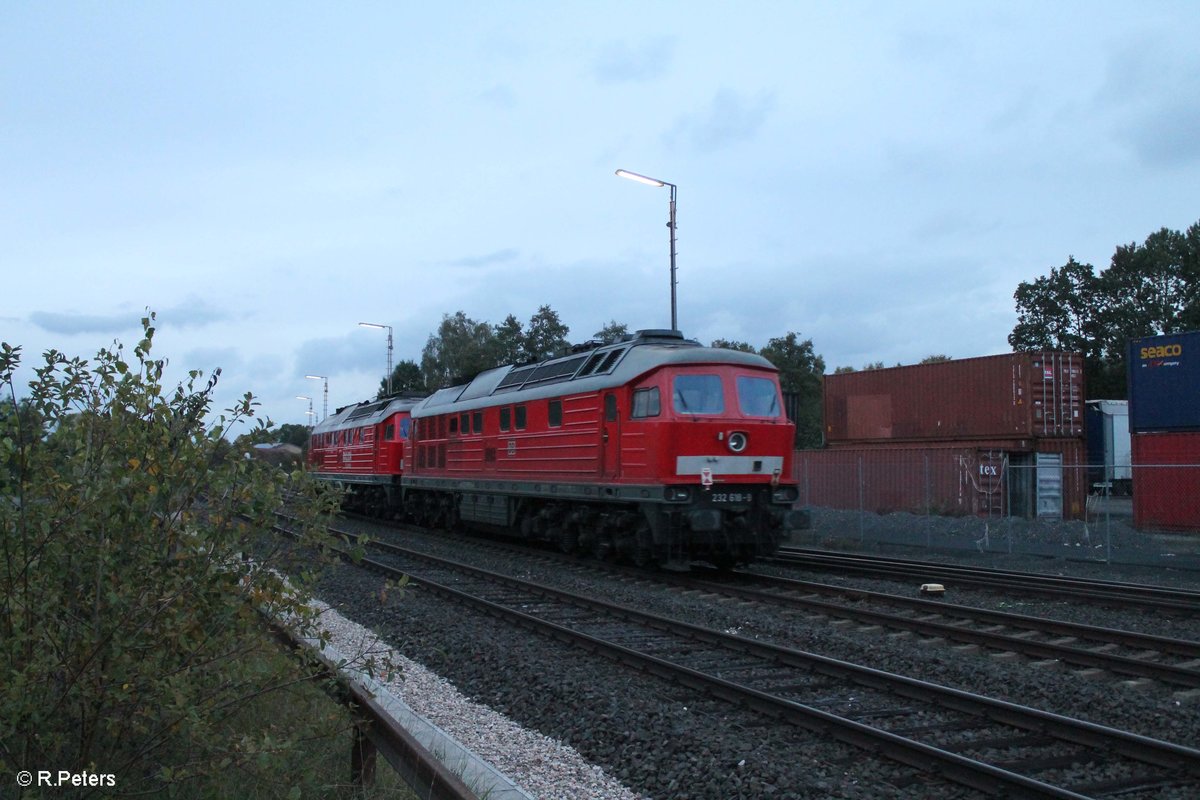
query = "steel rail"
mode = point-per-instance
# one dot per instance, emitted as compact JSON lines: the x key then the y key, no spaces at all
{"x":978,"y":775}
{"x":1066,"y":652}
{"x":1123,"y":594}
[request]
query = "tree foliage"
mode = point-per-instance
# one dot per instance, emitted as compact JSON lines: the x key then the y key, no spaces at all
{"x":1148,"y":289}
{"x":727,"y":344}
{"x":407,"y":378}
{"x":547,"y":335}
{"x":463,"y":347}
{"x":460,"y":349}
{"x":611,"y":333}
{"x":128,"y":605}
{"x":800,"y":373}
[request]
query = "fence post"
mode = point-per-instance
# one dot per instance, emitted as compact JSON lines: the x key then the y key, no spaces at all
{"x":363,"y":754}
{"x":928,"y":506}
{"x":862,"y":535}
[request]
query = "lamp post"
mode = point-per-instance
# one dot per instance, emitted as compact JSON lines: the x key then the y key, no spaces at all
{"x":633,"y":176}
{"x":389,"y":330}
{"x":310,"y":411}
{"x":325,"y":408}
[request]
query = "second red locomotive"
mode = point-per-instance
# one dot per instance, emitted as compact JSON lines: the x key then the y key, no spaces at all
{"x":655,"y":450}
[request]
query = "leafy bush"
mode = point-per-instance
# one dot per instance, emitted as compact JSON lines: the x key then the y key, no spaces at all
{"x":129,"y":602}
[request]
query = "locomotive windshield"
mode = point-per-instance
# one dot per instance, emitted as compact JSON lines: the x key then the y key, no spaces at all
{"x":698,"y":394}
{"x":757,"y":397}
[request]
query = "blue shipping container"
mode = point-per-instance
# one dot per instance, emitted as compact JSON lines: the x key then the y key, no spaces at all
{"x":1164,"y":382}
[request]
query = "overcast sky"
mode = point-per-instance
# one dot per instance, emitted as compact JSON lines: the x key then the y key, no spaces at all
{"x":877,"y":177}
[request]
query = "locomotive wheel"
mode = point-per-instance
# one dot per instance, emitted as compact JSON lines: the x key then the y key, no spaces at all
{"x":602,"y":546}
{"x":568,"y":539}
{"x":643,"y":547}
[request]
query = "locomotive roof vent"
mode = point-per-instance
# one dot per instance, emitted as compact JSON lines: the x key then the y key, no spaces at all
{"x":658,"y":333}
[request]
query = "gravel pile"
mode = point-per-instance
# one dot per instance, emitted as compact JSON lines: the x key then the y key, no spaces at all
{"x":662,"y":741}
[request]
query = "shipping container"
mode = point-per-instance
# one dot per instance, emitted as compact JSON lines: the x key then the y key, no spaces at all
{"x":1011,"y":396}
{"x":1108,"y":446}
{"x":988,"y":478}
{"x":1164,"y":382}
{"x":1166,"y":481}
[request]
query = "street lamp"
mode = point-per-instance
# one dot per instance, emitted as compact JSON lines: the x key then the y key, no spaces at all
{"x":633,"y":176}
{"x":389,"y":330}
{"x":310,"y":411}
{"x":325,"y":409}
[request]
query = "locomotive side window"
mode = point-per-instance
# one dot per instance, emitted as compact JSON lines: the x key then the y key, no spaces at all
{"x":556,"y":413}
{"x":464,"y":423}
{"x":505,"y":418}
{"x":698,"y":394}
{"x":453,"y":425}
{"x":610,"y":407}
{"x":520,"y":418}
{"x":646,"y":403}
{"x":477,"y":422}
{"x":757,"y":397}
{"x":389,"y":433}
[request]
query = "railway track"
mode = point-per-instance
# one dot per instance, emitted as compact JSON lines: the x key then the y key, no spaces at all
{"x":1050,"y":643}
{"x":1158,"y":598}
{"x":1047,"y":643}
{"x":990,"y":745}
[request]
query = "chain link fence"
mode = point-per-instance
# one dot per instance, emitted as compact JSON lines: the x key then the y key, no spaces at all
{"x":995,"y":502}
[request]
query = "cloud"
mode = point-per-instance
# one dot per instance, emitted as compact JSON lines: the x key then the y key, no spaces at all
{"x":618,"y":62}
{"x":730,"y":118}
{"x":336,"y":355}
{"x":500,"y":96}
{"x":498,"y":257}
{"x":1149,"y":94}
{"x":1167,"y":135}
{"x":191,"y":313}
{"x":55,"y":322}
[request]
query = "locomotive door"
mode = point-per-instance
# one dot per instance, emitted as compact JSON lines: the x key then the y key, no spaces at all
{"x":610,"y":438}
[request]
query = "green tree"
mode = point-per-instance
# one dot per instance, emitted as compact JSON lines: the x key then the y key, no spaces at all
{"x":1058,"y":311}
{"x":611,"y":333}
{"x":727,"y":344}
{"x":546,"y":336}
{"x":1148,"y":289}
{"x":460,"y":349}
{"x":129,"y":610}
{"x":800,"y":373}
{"x":935,"y":359}
{"x":290,"y":433}
{"x":407,"y":378}
{"x":509,"y":338}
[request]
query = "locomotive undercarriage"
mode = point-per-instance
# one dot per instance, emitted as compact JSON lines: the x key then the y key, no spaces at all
{"x":644,"y":532}
{"x":670,"y":536}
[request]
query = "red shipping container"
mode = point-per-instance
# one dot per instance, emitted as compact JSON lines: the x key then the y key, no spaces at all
{"x":989,"y":478}
{"x":1166,"y":481}
{"x":1011,"y":396}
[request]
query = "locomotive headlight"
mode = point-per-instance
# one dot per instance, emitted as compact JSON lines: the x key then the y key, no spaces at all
{"x":737,"y":442}
{"x":785,"y":494}
{"x":678,"y":494}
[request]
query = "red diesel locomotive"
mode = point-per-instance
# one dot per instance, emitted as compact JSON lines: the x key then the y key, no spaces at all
{"x":361,"y":449}
{"x":654,"y":450}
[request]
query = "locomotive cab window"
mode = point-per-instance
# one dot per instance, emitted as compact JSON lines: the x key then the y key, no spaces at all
{"x":757,"y":397}
{"x":698,"y":394}
{"x":646,"y":403}
{"x":389,"y":433}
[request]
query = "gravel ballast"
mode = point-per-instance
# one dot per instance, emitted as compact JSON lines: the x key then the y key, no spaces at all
{"x":661,"y":740}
